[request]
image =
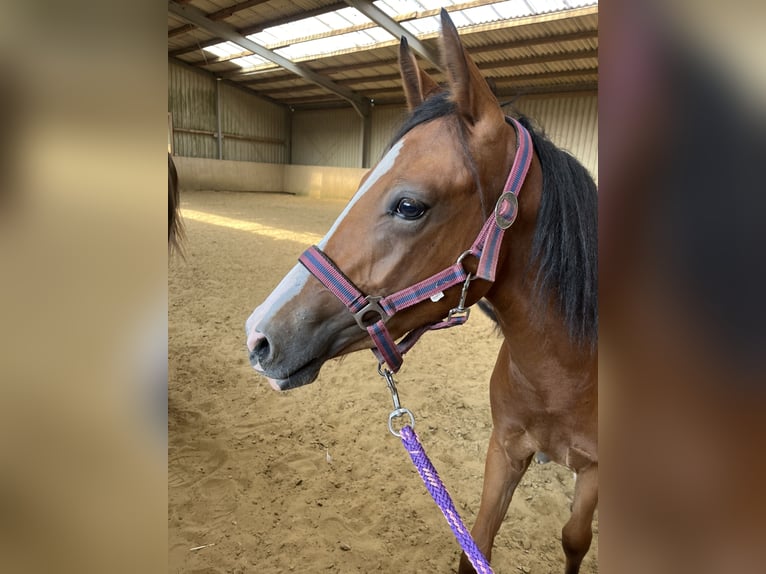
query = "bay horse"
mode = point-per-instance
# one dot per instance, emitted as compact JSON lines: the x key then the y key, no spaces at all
{"x":413,"y":215}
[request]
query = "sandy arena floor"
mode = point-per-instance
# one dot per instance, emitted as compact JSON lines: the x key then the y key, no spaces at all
{"x":310,"y":480}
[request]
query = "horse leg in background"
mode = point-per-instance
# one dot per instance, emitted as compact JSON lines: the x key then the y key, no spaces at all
{"x":578,"y":531}
{"x":508,"y":457}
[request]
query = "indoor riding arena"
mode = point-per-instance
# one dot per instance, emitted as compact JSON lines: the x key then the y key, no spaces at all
{"x":276,"y":110}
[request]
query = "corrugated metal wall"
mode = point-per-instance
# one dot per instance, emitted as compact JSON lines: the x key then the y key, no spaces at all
{"x":385,"y":121}
{"x":333,"y":137}
{"x":327,"y":138}
{"x":246,"y":115}
{"x":191,"y":102}
{"x":263,"y":127}
{"x":570,"y":122}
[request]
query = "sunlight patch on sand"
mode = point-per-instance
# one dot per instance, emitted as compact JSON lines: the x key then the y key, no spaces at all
{"x":252,"y":227}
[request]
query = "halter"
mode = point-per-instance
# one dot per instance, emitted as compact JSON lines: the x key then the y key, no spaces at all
{"x":486,"y":248}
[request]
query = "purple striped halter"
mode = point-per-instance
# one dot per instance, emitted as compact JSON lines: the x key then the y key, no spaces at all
{"x":486,"y":248}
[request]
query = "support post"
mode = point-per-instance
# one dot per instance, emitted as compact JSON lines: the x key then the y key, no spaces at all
{"x":219,"y":133}
{"x":366,"y":139}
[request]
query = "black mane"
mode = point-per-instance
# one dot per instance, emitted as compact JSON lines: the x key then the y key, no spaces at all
{"x":565,"y":242}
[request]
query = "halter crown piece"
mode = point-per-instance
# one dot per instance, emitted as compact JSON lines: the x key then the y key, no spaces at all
{"x":486,"y":248}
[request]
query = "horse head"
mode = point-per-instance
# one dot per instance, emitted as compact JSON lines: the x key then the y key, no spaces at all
{"x":413,"y":215}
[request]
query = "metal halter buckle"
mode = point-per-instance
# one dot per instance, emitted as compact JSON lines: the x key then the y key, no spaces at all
{"x":373,"y":306}
{"x":461,"y":308}
{"x":504,"y":221}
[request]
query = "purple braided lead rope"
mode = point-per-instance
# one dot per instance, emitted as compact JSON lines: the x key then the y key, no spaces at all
{"x":439,"y":493}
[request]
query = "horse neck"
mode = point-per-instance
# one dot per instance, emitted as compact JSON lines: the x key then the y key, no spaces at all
{"x":536,"y":333}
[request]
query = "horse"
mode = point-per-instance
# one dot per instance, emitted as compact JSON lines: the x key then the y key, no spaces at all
{"x":175,"y":224}
{"x":441,"y":185}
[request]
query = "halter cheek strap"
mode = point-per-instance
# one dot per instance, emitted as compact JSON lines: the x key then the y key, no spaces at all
{"x":486,"y":248}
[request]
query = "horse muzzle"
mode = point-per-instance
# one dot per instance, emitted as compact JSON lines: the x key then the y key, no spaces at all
{"x":290,"y":351}
{"x":280,"y":375}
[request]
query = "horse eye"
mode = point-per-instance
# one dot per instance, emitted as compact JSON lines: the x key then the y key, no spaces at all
{"x":409,"y":208}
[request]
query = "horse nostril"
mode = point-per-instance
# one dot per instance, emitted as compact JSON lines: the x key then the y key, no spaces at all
{"x":260,"y":349}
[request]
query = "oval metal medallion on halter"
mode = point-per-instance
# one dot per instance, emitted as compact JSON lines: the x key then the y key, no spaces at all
{"x":505,"y":216}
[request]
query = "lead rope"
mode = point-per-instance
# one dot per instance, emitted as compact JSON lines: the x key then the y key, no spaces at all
{"x":431,"y":479}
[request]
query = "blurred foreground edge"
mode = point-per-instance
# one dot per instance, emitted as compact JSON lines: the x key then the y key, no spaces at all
{"x":683,"y":316}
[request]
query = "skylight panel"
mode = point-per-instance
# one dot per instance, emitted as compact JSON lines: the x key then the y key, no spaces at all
{"x":481,"y":14}
{"x":217,"y":51}
{"x":544,"y":6}
{"x":434,"y":4}
{"x":248,"y":61}
{"x":395,"y":7}
{"x":229,"y":49}
{"x":334,"y":21}
{"x":580,"y":3}
{"x":423,"y":25}
{"x":459,"y":19}
{"x":330,"y":22}
{"x":353,"y":16}
{"x":512,"y":9}
{"x":327,"y":45}
{"x":264,"y":38}
{"x":225,"y":49}
{"x":379,"y":35}
{"x":292,"y":33}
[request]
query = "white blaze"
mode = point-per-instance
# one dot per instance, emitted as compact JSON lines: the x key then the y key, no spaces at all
{"x":380,"y":170}
{"x":294,"y":281}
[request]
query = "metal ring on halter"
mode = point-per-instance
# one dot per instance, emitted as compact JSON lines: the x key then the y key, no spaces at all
{"x":400,"y":412}
{"x":505,"y":221}
{"x":373,"y":306}
{"x":463,"y":255}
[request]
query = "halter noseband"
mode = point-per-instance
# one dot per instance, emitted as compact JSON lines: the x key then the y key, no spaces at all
{"x":486,"y":248}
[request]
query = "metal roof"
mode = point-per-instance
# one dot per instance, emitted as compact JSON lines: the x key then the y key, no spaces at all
{"x":330,"y":53}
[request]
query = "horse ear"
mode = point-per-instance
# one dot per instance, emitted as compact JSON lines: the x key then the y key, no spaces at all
{"x":470,"y":91}
{"x":418,"y":85}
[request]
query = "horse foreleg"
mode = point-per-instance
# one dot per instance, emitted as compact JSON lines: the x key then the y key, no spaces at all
{"x":503,"y":471}
{"x":578,"y":531}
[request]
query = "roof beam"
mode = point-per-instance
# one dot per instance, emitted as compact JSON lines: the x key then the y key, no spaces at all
{"x":522,"y":43}
{"x":545,"y":76}
{"x":228,"y":32}
{"x":215,"y":16}
{"x":260,"y":27}
{"x":505,"y":84}
{"x":556,"y":90}
{"x":366,"y":26}
{"x":383,"y":20}
{"x":505,"y":63}
{"x":498,"y":79}
{"x":307,"y":99}
{"x":328,"y":34}
{"x":231,"y":10}
{"x":181,"y":30}
{"x":559,"y":90}
{"x":541,"y":59}
{"x":287,"y":90}
{"x":538,"y":41}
